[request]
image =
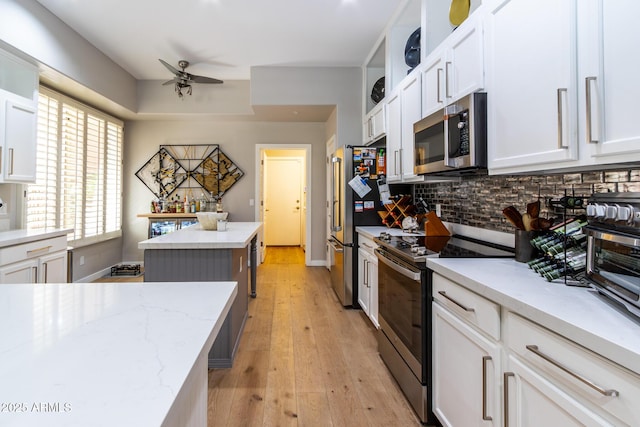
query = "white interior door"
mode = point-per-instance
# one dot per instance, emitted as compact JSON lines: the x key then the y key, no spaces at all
{"x":283,"y":201}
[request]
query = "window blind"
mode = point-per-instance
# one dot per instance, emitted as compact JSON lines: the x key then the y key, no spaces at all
{"x":79,"y":171}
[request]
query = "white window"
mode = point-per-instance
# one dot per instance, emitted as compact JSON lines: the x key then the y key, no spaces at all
{"x":78,"y":173}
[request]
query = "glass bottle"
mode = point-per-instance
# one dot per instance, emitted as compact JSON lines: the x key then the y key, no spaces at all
{"x":203,"y":203}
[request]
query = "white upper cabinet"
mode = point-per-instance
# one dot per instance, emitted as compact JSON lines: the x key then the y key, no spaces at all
{"x":531,"y":84}
{"x":374,"y":126}
{"x":18,"y":119}
{"x":608,"y":65}
{"x":560,"y":83}
{"x":403,"y":110}
{"x":456,"y":68}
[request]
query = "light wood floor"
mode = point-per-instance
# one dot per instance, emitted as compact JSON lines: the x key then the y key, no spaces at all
{"x":303,"y":359}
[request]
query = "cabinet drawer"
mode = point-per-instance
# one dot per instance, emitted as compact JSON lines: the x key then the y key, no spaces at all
{"x":11,"y":254}
{"x":606,"y":387}
{"x":366,"y":244}
{"x":470,"y":306}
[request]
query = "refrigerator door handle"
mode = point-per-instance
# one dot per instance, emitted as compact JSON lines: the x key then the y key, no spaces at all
{"x":336,"y":184}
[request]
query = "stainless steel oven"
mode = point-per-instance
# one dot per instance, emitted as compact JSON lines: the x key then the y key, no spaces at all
{"x":404,"y":338}
{"x":405,"y":307}
{"x":613,"y":247}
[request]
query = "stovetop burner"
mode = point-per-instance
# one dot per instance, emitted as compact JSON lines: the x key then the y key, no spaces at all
{"x":417,"y":248}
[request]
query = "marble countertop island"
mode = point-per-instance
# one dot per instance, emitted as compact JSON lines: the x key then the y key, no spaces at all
{"x":237,"y":235}
{"x":108,"y":354}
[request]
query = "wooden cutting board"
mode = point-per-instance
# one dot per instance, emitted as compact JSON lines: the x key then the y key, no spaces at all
{"x":459,"y":11}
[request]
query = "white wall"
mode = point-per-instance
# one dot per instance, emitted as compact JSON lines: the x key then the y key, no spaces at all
{"x":340,"y":86}
{"x":30,"y":28}
{"x":237,"y":140}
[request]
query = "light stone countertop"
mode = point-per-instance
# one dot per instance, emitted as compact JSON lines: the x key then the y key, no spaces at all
{"x":237,"y":235}
{"x":578,"y":313}
{"x":18,"y":237}
{"x":103,"y":354}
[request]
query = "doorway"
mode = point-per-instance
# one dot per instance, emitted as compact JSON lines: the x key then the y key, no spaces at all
{"x":283,"y":194}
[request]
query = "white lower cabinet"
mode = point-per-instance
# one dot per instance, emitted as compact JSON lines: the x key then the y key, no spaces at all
{"x":53,"y":268}
{"x":41,"y":261}
{"x":549,"y":380}
{"x":368,"y":279}
{"x":531,"y":400}
{"x":20,"y":272}
{"x":520,"y":374}
{"x":466,"y":367}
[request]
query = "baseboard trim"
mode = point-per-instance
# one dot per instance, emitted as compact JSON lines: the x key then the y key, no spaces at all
{"x":104,"y":272}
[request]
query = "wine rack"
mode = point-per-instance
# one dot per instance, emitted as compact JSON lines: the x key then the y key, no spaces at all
{"x":563,"y":249}
{"x":399,"y":208}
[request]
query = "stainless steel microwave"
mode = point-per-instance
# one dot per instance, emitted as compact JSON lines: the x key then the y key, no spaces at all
{"x":453,"y":140}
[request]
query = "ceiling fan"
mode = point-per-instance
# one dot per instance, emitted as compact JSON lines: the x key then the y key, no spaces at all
{"x":183,"y":80}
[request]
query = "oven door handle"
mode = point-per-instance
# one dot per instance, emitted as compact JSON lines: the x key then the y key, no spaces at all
{"x":396,"y":266}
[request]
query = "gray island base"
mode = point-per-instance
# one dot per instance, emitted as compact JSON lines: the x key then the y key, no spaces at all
{"x":194,"y":255}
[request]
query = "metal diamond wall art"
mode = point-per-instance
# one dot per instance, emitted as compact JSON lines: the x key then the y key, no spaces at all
{"x":162,"y":174}
{"x":193,"y":168}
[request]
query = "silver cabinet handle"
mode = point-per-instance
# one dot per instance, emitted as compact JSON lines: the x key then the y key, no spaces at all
{"x":46,"y":270}
{"x":395,"y":162}
{"x":34,"y":251}
{"x":446,"y":79}
{"x":560,"y":118}
{"x":10,"y":161}
{"x":34,"y":279}
{"x":401,"y":165}
{"x":0,"y":159}
{"x":465,"y":308}
{"x":505,"y":380}
{"x":587,"y":82}
{"x":485,"y":417}
{"x":366,"y":245}
{"x":439,"y":97}
{"x":601,"y":390}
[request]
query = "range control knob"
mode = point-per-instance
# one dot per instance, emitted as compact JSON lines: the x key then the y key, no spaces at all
{"x":624,"y":214}
{"x":611,"y":212}
{"x":636,"y":217}
{"x":596,"y":211}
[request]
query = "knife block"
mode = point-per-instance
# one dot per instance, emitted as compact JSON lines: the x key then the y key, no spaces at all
{"x":433,"y":226}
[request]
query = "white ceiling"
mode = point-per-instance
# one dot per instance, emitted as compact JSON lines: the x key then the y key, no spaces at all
{"x":225,"y":38}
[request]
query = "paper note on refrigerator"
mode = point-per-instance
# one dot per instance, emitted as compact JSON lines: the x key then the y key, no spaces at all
{"x":360,"y":186}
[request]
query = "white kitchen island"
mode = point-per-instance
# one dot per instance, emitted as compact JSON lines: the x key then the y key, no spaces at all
{"x":108,"y":354}
{"x":194,"y":254}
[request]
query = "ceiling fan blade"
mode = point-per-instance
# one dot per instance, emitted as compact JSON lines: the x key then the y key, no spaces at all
{"x":170,"y":82}
{"x":170,"y":67}
{"x":202,"y":79}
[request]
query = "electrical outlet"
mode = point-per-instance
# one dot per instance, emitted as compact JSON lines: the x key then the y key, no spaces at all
{"x":82,"y":260}
{"x":251,"y":202}
{"x":438,"y":210}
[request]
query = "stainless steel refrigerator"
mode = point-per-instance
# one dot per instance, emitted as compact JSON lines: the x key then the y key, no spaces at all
{"x":350,"y":210}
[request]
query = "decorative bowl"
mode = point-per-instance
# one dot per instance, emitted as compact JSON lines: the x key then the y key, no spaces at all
{"x":209,"y":220}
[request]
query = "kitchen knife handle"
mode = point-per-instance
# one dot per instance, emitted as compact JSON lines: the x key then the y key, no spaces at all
{"x":587,"y":82}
